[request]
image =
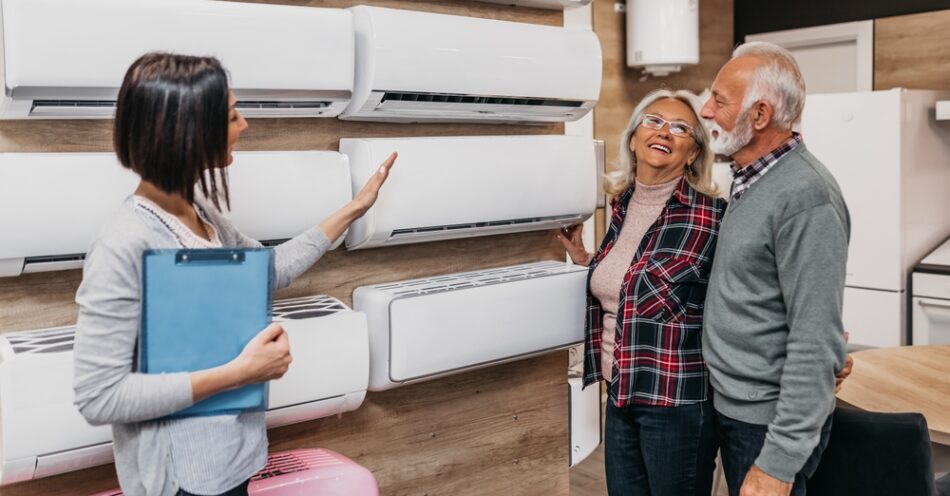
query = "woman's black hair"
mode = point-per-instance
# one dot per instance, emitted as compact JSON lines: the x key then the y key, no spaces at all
{"x":171,"y":124}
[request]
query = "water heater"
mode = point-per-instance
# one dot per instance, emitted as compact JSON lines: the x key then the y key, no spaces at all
{"x":662,"y":35}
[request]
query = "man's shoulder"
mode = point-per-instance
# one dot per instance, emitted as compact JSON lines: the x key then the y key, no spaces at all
{"x":803,"y":182}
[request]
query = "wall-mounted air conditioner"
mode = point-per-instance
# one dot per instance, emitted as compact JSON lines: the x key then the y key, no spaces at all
{"x":54,"y":203}
{"x":42,"y":432}
{"x":418,"y":66}
{"x":544,"y":4}
{"x":330,"y":371}
{"x":445,"y":188}
{"x":66,"y":59}
{"x":427,"y":328}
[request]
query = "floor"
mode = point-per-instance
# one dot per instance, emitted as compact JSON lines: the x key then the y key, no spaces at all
{"x":587,"y":478}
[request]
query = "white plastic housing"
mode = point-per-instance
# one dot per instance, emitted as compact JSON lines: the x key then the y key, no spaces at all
{"x":42,"y":432}
{"x":330,"y":371}
{"x":662,"y":35}
{"x":53,"y":204}
{"x":446,"y":188}
{"x":424,"y":67}
{"x":66,"y":59}
{"x":426,"y":328}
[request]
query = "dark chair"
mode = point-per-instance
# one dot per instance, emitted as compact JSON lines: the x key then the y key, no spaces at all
{"x":886,"y":454}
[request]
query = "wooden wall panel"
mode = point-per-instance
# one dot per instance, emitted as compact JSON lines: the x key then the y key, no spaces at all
{"x":501,"y":430}
{"x":622,"y":87}
{"x":912,"y":51}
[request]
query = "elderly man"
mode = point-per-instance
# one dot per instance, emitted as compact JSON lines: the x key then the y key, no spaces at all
{"x":773,"y":337}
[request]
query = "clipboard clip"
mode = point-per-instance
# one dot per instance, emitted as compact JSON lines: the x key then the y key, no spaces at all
{"x":209,"y":257}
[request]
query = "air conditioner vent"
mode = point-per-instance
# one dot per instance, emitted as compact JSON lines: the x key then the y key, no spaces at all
{"x":74,"y":257}
{"x":495,"y":223}
{"x":49,"y":341}
{"x":269,"y":104}
{"x":406,"y":96}
{"x":476,"y":278}
{"x":39,"y":104}
{"x":307,"y":307}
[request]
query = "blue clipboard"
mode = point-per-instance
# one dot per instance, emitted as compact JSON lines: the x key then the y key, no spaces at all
{"x":199,"y":309}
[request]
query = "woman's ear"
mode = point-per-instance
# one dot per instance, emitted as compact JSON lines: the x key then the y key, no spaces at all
{"x":693,"y":155}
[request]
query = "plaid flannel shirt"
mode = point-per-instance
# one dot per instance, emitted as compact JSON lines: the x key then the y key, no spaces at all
{"x":658,"y":356}
{"x":744,"y":177}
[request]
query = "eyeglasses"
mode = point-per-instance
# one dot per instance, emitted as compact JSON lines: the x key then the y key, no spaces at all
{"x":677,"y":128}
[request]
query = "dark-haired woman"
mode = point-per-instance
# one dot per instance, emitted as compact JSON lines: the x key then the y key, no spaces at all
{"x":175,"y":126}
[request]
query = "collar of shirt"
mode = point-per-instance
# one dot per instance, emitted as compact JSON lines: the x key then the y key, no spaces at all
{"x":744,"y":177}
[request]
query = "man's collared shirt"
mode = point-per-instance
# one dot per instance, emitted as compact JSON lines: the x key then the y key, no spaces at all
{"x":743,"y":178}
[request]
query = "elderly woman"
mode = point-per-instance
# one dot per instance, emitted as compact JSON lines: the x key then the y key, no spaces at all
{"x":176,"y":125}
{"x":647,"y":284}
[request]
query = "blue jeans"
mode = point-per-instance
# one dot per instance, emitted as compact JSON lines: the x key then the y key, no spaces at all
{"x":241,"y":490}
{"x":660,"y":450}
{"x":741,"y":442}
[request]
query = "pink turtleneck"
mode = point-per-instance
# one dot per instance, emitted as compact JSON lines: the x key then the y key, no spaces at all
{"x":644,"y":208}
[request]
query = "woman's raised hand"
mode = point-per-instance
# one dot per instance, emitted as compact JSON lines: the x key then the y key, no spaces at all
{"x":336,"y":224}
{"x":571,"y":238}
{"x":370,"y":192}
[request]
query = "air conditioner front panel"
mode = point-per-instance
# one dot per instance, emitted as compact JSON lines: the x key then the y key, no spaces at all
{"x":277,"y":195}
{"x":36,"y":402}
{"x":459,"y":329}
{"x":426,"y":328}
{"x":54,"y":203}
{"x":331,"y":359}
{"x":441,"y":185}
{"x":58,"y":49}
{"x":467,"y":56}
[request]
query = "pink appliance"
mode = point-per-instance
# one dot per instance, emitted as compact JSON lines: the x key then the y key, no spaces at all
{"x":312,"y":471}
{"x":306,"y":472}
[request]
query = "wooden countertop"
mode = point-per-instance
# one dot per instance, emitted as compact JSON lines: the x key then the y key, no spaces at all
{"x":904,"y":379}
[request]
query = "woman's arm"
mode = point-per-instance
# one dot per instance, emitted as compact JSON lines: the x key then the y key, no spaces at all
{"x":107,"y":390}
{"x":295,"y":256}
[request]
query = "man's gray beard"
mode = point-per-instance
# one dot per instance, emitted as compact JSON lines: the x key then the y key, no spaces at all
{"x":728,"y":143}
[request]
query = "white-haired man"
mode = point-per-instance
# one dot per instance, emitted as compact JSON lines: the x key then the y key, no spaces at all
{"x":773,"y":338}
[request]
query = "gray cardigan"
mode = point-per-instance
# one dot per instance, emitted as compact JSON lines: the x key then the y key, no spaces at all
{"x":773,"y":337}
{"x":108,"y":390}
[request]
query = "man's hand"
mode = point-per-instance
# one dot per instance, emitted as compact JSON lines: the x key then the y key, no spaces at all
{"x":846,"y":371}
{"x":759,"y":483}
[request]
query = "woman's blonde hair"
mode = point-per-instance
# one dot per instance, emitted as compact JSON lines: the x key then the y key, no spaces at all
{"x":698,"y":173}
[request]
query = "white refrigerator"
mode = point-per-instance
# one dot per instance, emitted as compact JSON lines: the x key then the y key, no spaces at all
{"x":891,"y":158}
